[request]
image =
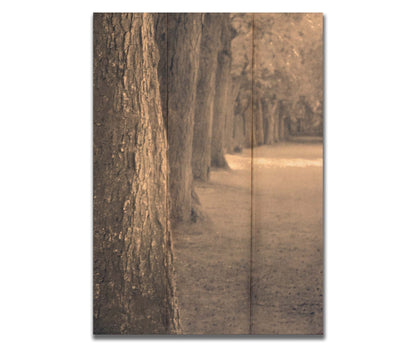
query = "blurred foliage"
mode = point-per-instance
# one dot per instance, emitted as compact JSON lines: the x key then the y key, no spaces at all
{"x":288,"y":58}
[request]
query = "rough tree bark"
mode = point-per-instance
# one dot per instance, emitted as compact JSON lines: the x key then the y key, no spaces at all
{"x":201,"y":149}
{"x":222,"y":85}
{"x":161,"y":33}
{"x":133,"y":282}
{"x":183,"y":48}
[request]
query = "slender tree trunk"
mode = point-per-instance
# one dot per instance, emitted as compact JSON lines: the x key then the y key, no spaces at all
{"x":201,"y":155}
{"x":258,"y":118}
{"x":230,"y":142}
{"x":242,"y":124}
{"x":223,"y":83}
{"x":275,"y":115}
{"x":268,"y":121}
{"x":133,"y":287}
{"x":183,"y":47}
{"x":248,"y":125}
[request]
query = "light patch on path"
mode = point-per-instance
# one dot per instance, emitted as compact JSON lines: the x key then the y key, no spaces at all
{"x":243,"y":163}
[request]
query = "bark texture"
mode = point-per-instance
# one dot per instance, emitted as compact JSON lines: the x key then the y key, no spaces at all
{"x":222,"y":93}
{"x":201,"y":148}
{"x":184,"y":38}
{"x":161,"y":31}
{"x":133,"y":280}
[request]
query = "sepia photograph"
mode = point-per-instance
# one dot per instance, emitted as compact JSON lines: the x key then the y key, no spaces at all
{"x":216,"y":172}
{"x":208,"y":173}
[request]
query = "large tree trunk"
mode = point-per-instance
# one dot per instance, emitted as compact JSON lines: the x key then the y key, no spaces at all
{"x":201,"y":155}
{"x":222,"y":85}
{"x":133,"y":288}
{"x":184,"y":39}
{"x":183,"y":48}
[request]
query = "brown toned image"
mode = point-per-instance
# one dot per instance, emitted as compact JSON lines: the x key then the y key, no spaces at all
{"x":208,"y":173}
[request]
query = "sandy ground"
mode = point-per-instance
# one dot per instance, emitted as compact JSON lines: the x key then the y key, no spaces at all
{"x":212,"y":257}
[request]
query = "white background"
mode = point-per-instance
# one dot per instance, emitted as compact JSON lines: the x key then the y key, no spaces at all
{"x":46,"y":170}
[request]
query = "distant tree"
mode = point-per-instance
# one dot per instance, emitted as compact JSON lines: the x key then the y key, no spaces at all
{"x":241,"y":72}
{"x":222,"y":94}
{"x":287,"y":58}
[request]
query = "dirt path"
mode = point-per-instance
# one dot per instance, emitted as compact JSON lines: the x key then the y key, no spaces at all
{"x":212,"y":257}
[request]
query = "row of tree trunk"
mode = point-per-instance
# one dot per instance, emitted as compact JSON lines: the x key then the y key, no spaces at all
{"x":162,"y":90}
{"x":266,"y":128}
{"x":166,"y":110}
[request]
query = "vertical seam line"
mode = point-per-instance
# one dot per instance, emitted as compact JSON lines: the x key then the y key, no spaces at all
{"x":251,"y":179}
